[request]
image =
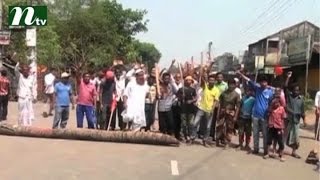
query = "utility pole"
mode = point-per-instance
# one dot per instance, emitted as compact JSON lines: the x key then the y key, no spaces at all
{"x":308,"y":59}
{"x":32,"y":34}
{"x":1,"y":13}
{"x":209,"y":50}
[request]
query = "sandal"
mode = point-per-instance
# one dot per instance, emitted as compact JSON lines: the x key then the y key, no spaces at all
{"x":282,"y":159}
{"x":266,"y":156}
{"x":296,"y":156}
{"x":272,"y":155}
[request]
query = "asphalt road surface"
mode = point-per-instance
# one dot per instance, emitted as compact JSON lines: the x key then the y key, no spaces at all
{"x":47,"y":159}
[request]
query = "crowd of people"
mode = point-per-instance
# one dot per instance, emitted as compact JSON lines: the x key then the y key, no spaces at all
{"x":189,"y":104}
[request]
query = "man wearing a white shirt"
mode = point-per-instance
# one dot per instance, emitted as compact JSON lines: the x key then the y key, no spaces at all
{"x":49,"y":80}
{"x":27,"y":94}
{"x":120,"y":85}
{"x":317,"y":106}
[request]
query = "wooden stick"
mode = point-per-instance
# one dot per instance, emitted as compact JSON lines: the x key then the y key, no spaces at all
{"x":201,"y":68}
{"x":110,"y":119}
{"x":157,"y":78}
{"x":183,"y":93}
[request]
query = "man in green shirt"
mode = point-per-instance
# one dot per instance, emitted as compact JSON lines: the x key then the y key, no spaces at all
{"x":222,"y":87}
{"x":220,"y":84}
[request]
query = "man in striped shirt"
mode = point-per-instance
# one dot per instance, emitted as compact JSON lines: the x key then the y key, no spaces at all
{"x":4,"y":95}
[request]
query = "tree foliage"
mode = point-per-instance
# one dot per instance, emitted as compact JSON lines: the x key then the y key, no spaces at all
{"x":147,"y":52}
{"x":87,"y":33}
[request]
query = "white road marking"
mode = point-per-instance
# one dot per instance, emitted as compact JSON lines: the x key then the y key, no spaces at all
{"x":174,"y":168}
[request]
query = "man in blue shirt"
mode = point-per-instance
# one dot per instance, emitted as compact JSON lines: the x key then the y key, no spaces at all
{"x":63,"y":97}
{"x":263,"y":94}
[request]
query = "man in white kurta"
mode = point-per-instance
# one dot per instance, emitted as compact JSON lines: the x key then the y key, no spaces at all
{"x":27,"y":93}
{"x":134,"y":100}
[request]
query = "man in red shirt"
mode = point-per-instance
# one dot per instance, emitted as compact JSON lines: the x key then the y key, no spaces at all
{"x":4,"y":95}
{"x":86,"y":101}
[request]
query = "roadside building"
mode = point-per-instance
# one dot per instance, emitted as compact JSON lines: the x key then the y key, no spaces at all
{"x":290,"y":48}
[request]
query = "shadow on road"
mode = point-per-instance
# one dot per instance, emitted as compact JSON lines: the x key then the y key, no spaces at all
{"x":200,"y":164}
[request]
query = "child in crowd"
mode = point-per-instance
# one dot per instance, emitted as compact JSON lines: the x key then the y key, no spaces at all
{"x":276,"y":118}
{"x":245,"y":121}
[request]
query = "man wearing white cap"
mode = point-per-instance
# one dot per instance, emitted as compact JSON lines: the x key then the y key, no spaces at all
{"x":134,"y":100}
{"x":63,"y":97}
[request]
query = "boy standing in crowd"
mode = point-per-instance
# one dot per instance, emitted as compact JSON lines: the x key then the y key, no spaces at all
{"x":276,"y":118}
{"x":295,"y":110}
{"x":245,"y":121}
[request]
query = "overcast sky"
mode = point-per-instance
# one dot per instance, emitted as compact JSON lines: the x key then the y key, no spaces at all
{"x":182,"y":28}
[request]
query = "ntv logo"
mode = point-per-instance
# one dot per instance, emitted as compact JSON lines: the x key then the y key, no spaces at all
{"x":27,"y":15}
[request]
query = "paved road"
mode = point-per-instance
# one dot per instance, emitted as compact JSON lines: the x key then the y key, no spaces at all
{"x":30,"y":158}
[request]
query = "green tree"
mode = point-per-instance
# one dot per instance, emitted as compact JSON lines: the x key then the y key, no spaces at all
{"x":96,"y":33}
{"x":48,"y":47}
{"x":148,"y":53}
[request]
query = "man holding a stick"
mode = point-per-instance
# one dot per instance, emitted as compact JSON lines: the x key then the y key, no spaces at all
{"x":106,"y":91}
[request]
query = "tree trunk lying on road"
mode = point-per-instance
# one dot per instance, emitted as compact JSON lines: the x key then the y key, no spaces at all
{"x":89,"y":135}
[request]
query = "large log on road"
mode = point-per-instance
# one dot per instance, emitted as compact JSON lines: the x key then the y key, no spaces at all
{"x":89,"y":135}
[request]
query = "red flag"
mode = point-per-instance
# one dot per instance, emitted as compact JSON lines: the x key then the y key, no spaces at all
{"x":278,"y":70}
{"x":114,"y":103}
